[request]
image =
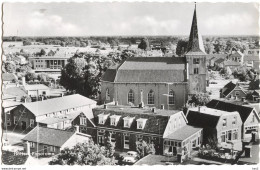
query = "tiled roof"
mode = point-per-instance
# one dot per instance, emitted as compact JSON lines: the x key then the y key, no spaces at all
{"x":228,"y":88}
{"x":8,"y":76}
{"x":58,"y":104}
{"x":36,"y":87}
{"x":48,"y":136}
{"x":7,"y":96}
{"x":183,"y":133}
{"x":203,"y":120}
{"x":156,"y":122}
{"x":243,"y":111}
{"x":148,"y":69}
{"x":220,"y":60}
{"x":10,"y":103}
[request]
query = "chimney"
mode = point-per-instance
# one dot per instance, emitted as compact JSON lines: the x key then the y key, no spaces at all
{"x":77,"y":129}
{"x":243,"y":99}
{"x":28,"y":148}
{"x":23,"y":81}
{"x":162,"y":106}
{"x":105,"y":106}
{"x":199,"y":109}
{"x":153,"y":109}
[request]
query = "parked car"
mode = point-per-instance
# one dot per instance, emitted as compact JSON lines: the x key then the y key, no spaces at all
{"x":129,"y":160}
{"x":213,"y":82}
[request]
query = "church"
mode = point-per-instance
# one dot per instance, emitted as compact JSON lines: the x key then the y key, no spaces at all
{"x":161,"y":82}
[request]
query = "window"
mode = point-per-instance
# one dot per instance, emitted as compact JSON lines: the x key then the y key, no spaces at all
{"x":32,"y":144}
{"x":237,"y":93}
{"x":131,"y":96}
{"x":101,"y":138}
{"x":139,"y":125}
{"x":126,"y":141}
{"x":196,"y":61}
{"x":113,"y":121}
{"x":229,"y":135}
{"x":224,"y":122}
{"x":234,"y":122}
{"x":107,"y":94}
{"x":151,"y":97}
{"x":101,"y":120}
{"x":126,"y":123}
{"x":31,"y":122}
{"x":139,"y":138}
{"x":113,"y":137}
{"x":83,"y":121}
{"x":253,"y":119}
{"x":196,"y":70}
{"x":15,"y":120}
{"x":175,"y":123}
{"x":171,"y":97}
{"x":235,"y":134}
{"x":52,"y":148}
{"x":179,"y":121}
{"x":223,"y":137}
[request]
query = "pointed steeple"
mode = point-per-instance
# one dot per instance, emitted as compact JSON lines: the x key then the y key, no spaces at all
{"x":195,"y":43}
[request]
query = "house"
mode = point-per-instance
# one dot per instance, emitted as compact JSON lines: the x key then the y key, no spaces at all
{"x":34,"y":90}
{"x":254,"y":96}
{"x":211,"y":58}
{"x":20,"y":59}
{"x":27,"y":115}
{"x":8,"y":78}
{"x":237,"y":56}
{"x":249,"y":116}
{"x":42,"y":140}
{"x":233,"y":65}
{"x":221,"y":126}
{"x":231,"y":90}
{"x":17,"y":92}
{"x":154,"y":81}
{"x":253,"y":51}
{"x":7,"y":106}
{"x":252,"y":61}
{"x":127,"y":126}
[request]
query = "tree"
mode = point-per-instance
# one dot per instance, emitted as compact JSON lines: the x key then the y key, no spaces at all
{"x":181,"y":47}
{"x":42,"y":52}
{"x":30,"y":76}
{"x":199,"y":99}
{"x":86,"y":153}
{"x":254,"y":84}
{"x":43,"y":77}
{"x":10,"y":67}
{"x":144,"y":148}
{"x":144,"y":44}
{"x":83,"y":72}
{"x":209,"y":48}
{"x":26,"y":99}
{"x":26,"y":42}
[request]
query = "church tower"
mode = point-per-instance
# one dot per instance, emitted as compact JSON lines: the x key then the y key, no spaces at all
{"x":196,"y":60}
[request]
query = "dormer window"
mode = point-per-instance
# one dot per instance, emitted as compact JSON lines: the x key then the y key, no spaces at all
{"x":114,"y":120}
{"x":141,"y":123}
{"x":128,"y":121}
{"x":102,"y":118}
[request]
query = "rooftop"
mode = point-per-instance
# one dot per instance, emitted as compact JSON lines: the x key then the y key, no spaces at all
{"x":47,"y":136}
{"x":183,"y":133}
{"x":211,"y":111}
{"x":58,"y":104}
{"x":36,"y":87}
{"x":10,"y":103}
{"x":137,"y":110}
{"x":8,"y":76}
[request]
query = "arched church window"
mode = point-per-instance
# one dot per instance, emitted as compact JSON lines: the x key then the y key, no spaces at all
{"x":131,"y":98}
{"x":171,"y":97}
{"x":107,"y":94}
{"x":151,"y":97}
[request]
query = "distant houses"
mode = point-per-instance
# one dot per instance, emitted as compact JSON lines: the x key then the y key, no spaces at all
{"x":231,"y":90}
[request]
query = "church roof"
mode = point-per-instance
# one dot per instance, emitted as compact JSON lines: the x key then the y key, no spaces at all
{"x":148,"y":69}
{"x":195,"y":44}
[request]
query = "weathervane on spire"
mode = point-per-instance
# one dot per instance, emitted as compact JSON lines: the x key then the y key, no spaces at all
{"x":195,"y":4}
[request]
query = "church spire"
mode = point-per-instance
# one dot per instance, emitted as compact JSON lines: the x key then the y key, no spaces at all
{"x":195,"y":43}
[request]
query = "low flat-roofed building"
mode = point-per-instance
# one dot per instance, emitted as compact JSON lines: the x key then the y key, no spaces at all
{"x":34,"y":90}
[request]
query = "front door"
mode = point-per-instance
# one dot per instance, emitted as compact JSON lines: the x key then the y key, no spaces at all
{"x":44,"y":150}
{"x":23,"y":124}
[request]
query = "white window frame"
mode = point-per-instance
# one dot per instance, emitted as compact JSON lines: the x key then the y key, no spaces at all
{"x":112,"y":136}
{"x":83,"y":120}
{"x":196,"y":70}
{"x":113,"y":121}
{"x":52,"y":148}
{"x":107,"y":94}
{"x":101,"y":120}
{"x":32,"y":122}
{"x":196,"y":61}
{"x":125,"y":123}
{"x":32,"y":145}
{"x":15,"y":120}
{"x":126,"y":146}
{"x":224,"y":135}
{"x":140,"y":125}
{"x":101,"y":135}
{"x":237,"y":93}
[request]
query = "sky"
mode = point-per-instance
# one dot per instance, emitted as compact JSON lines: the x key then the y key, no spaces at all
{"x":128,"y":19}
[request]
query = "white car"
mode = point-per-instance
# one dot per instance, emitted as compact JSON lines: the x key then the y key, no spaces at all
{"x":132,"y":154}
{"x":129,"y":160}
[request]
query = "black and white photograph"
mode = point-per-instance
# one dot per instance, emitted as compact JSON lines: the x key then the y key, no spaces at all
{"x":125,"y":83}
